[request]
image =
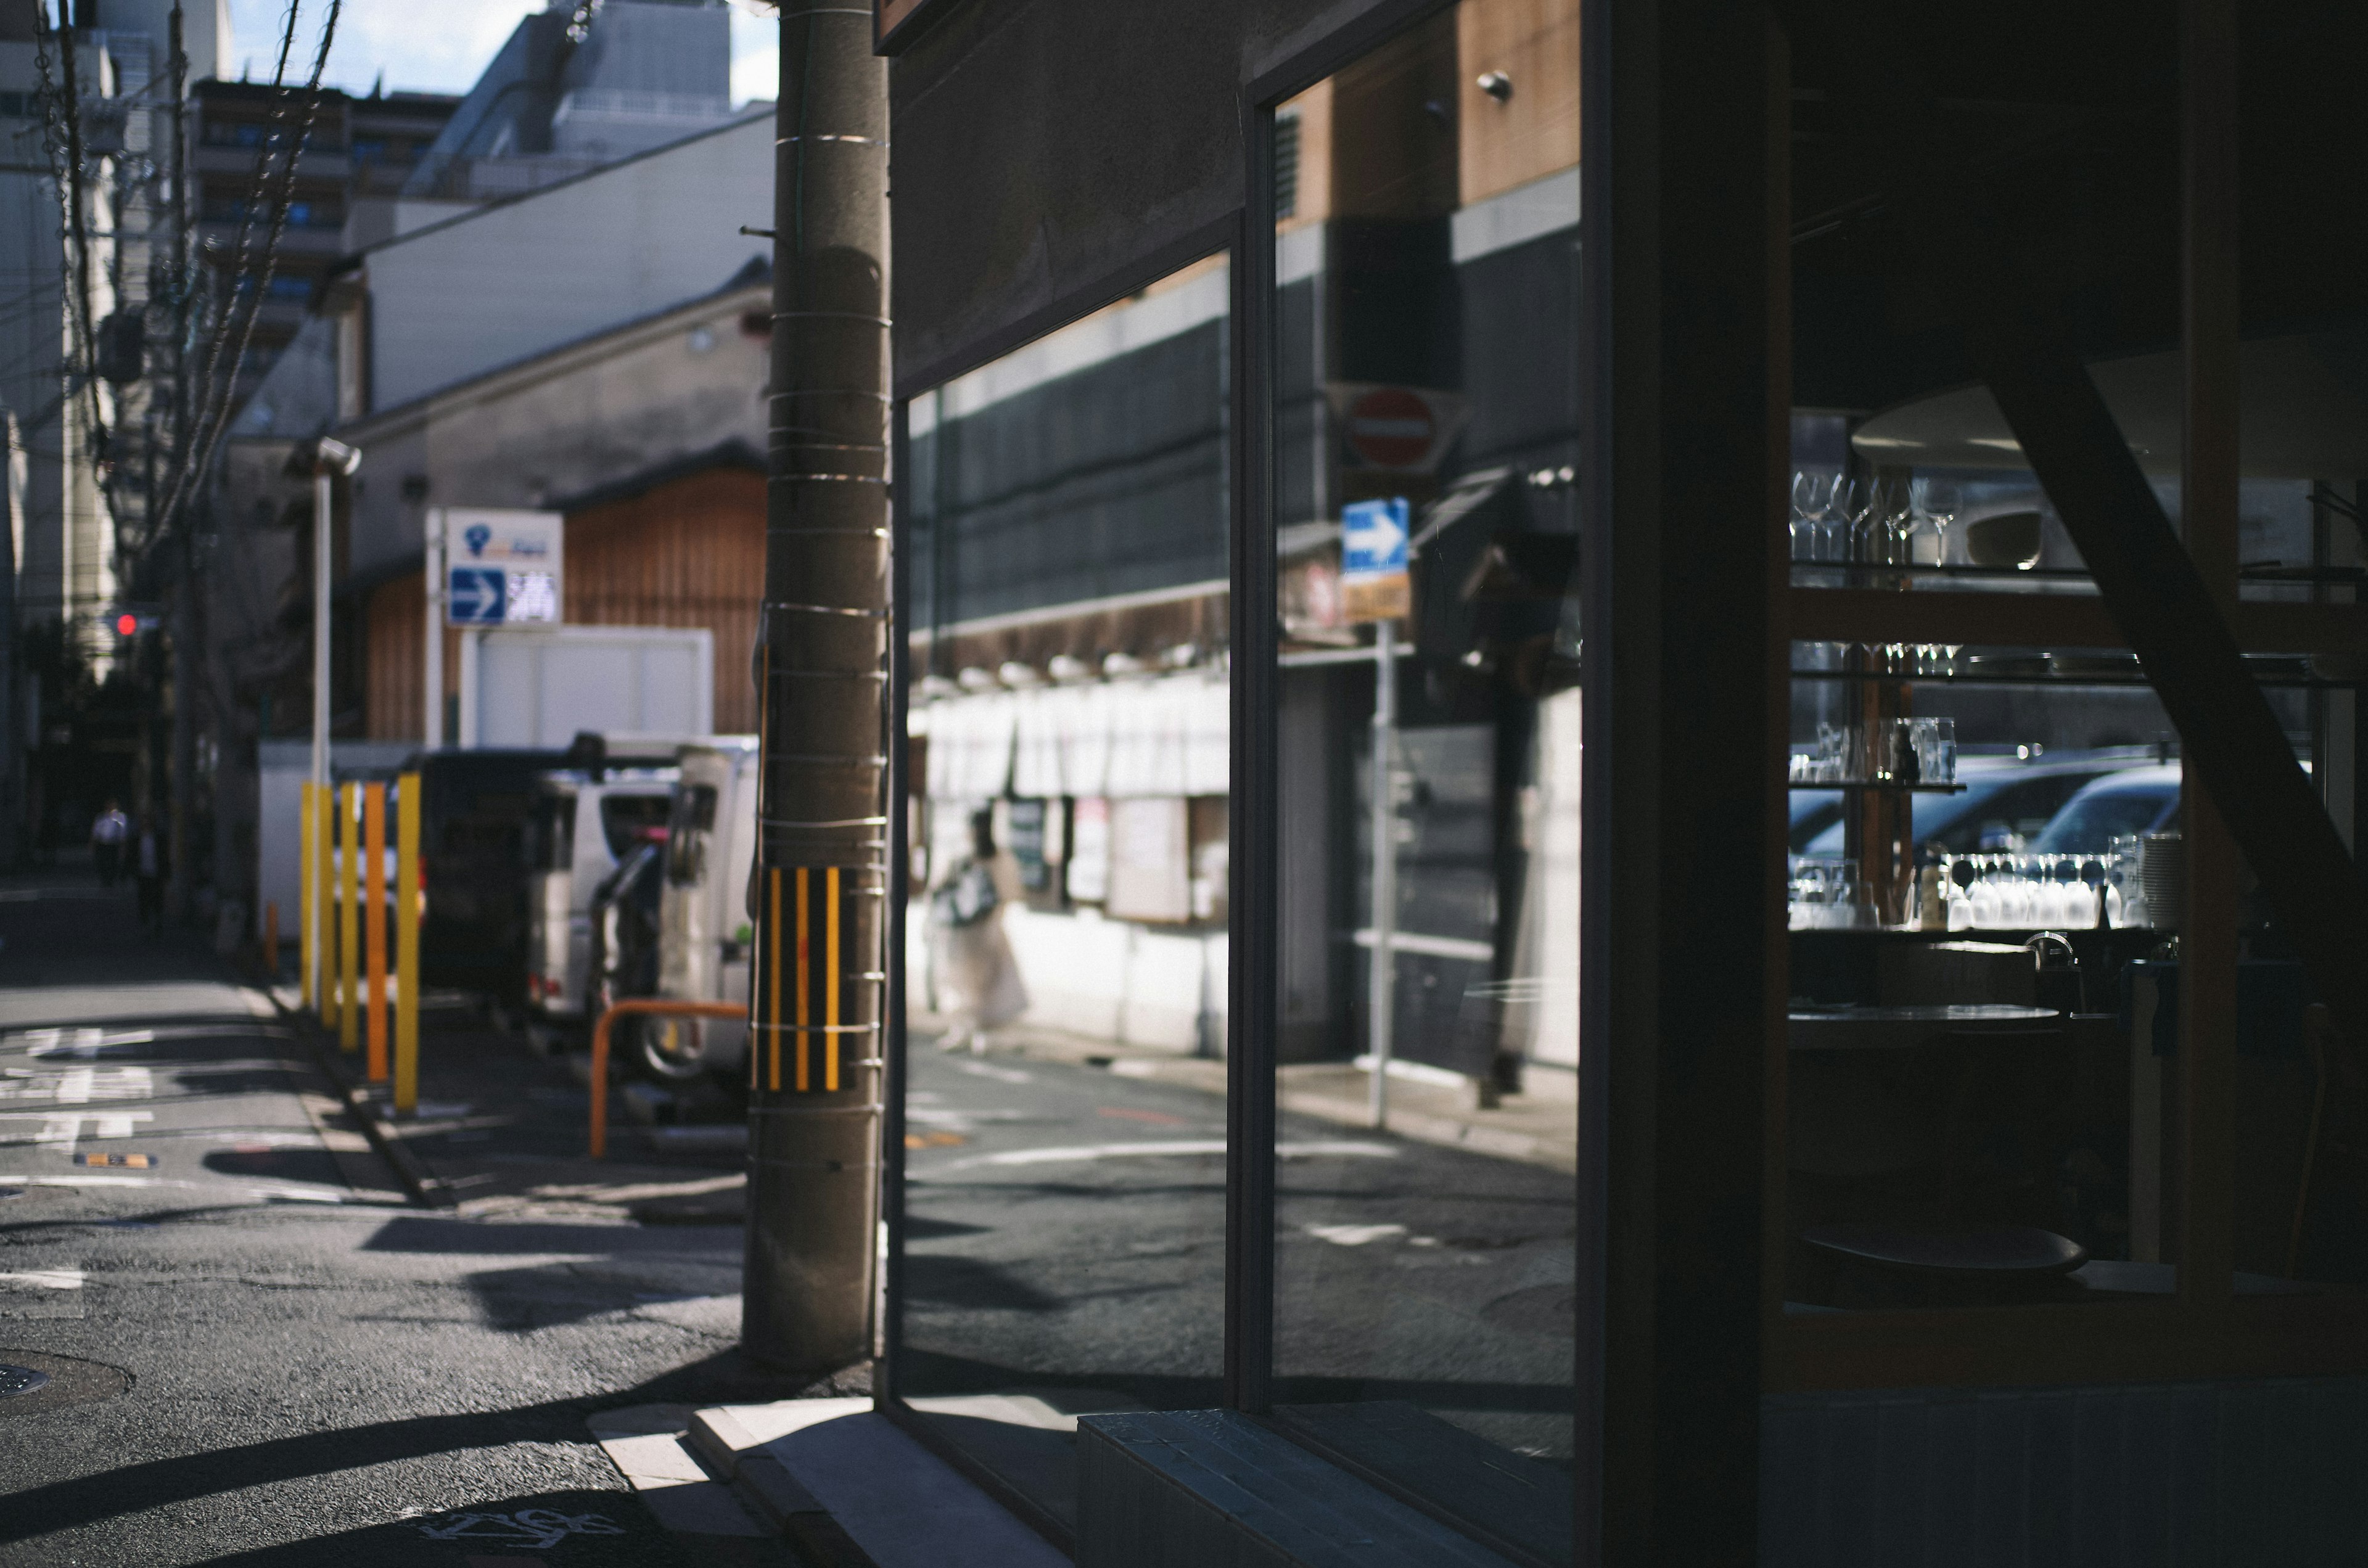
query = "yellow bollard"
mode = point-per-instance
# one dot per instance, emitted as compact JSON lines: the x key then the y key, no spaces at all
{"x":306,"y":899}
{"x":407,"y":943}
{"x":373,"y":921}
{"x":349,"y":925}
{"x":325,"y":903}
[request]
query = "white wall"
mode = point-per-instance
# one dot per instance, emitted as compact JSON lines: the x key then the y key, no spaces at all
{"x":520,"y":277}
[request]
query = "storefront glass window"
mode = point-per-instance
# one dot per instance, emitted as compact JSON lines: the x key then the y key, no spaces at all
{"x":1065,"y":524}
{"x":2046,"y":1042}
{"x":1428,"y":742}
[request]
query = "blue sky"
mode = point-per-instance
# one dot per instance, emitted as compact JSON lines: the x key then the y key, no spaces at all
{"x":438,"y":46}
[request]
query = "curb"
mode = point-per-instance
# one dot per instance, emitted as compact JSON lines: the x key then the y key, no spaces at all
{"x":771,"y":1498}
{"x":423,"y":1187}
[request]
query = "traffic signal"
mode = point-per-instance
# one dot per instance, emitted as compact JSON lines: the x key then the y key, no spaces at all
{"x":130,"y":621}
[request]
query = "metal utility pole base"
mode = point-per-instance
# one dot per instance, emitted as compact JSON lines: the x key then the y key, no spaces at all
{"x":813,"y":1176}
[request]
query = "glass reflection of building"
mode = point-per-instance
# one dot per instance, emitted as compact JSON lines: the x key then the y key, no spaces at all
{"x":1904,"y":1103}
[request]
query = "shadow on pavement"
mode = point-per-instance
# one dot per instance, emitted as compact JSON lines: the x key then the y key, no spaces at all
{"x":159,"y":1483}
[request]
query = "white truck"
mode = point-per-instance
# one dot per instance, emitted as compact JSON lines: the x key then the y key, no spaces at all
{"x":581,"y":826}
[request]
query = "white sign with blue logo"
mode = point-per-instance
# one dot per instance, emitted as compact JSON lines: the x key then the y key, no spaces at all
{"x":503,"y":568}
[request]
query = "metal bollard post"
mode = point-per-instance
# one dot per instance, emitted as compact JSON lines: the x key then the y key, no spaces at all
{"x":350,"y":928}
{"x":407,"y":943}
{"x":374,"y":921}
{"x":308,"y":904}
{"x":325,"y":903}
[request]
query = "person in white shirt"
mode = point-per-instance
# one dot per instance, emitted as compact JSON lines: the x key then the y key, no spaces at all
{"x":106,"y":836}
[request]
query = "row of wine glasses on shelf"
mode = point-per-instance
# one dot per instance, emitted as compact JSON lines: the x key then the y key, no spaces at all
{"x":1985,"y":892}
{"x":1863,"y":519}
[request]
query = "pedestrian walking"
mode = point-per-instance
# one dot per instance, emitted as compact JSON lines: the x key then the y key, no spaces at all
{"x":148,"y":867}
{"x":976,"y":967}
{"x":108,"y":832}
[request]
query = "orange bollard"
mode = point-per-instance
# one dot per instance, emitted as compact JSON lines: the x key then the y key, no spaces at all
{"x":599,"y":1143}
{"x":374,"y":920}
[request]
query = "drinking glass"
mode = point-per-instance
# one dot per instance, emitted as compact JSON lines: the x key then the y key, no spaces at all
{"x":1810,"y":498}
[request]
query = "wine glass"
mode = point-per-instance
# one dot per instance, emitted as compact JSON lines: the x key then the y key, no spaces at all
{"x":1898,"y":511}
{"x":1940,"y":503}
{"x":1808,"y":512}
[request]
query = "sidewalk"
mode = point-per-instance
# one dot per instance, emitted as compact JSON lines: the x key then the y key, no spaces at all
{"x":842,"y":1483}
{"x":501,"y":1129}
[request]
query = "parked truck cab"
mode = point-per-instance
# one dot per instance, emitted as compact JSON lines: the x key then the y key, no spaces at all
{"x":703,"y":921}
{"x":580,"y":825}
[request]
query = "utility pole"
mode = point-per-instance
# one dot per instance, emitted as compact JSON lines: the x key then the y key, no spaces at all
{"x":820,"y":897}
{"x":327,"y":461}
{"x":173,"y":533}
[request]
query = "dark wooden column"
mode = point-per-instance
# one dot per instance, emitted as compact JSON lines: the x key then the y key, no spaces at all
{"x":1688,"y":438}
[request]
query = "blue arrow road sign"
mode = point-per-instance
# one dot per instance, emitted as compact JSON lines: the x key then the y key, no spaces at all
{"x":1374,"y":538}
{"x":474,"y":596}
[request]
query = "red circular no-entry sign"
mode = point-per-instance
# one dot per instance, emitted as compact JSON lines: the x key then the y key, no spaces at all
{"x":1390,"y":427}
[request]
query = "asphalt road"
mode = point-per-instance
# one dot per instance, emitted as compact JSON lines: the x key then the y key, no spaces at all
{"x":258,"y":1353}
{"x":1066,"y":1240}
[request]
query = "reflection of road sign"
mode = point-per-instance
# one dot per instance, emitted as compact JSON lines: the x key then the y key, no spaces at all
{"x":1373,"y":536}
{"x":1390,"y":427}
{"x":475,"y":596}
{"x":1374,"y":585}
{"x":505,"y":567}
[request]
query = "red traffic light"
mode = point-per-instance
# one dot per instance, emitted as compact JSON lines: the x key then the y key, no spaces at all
{"x":126,"y":624}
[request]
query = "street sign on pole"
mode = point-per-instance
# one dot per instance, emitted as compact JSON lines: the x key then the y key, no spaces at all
{"x":503,"y":568}
{"x":1373,"y":582}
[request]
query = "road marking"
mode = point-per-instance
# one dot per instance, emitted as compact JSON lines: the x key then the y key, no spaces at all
{"x":1355,"y":1236}
{"x":43,"y":1293}
{"x":527,"y":1526}
{"x":1180,"y":1148}
{"x":988,"y":1069}
{"x":63,"y":1131}
{"x":45,"y":1279}
{"x":291,"y":1194}
{"x":77,"y":1085}
{"x":85,"y":1043}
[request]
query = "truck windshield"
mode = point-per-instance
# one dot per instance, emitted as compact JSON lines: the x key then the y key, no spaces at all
{"x":626,"y":820}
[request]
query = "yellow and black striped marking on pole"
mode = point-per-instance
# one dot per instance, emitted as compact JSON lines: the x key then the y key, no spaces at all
{"x":804,"y":989}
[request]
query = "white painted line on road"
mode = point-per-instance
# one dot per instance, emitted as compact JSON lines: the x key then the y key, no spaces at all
{"x":77,"y":1085}
{"x":63,"y":1131}
{"x":988,"y":1069}
{"x":1355,"y":1236}
{"x":85,"y":1043}
{"x":1179,"y":1148}
{"x":292,"y":1194}
{"x":43,"y":1293}
{"x":44,"y":1279}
